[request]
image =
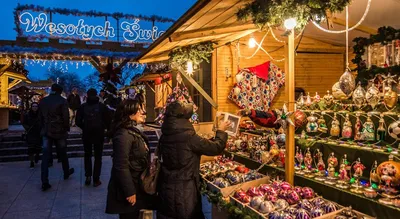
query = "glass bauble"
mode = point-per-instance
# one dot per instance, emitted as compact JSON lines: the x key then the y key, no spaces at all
{"x":347,"y":83}
{"x":328,"y":98}
{"x":308,"y":100}
{"x":372,"y":96}
{"x":317,"y":98}
{"x":390,"y":98}
{"x":368,"y":131}
{"x":394,"y":130}
{"x":299,"y":118}
{"x":312,"y":125}
{"x":338,"y":93}
{"x":300,"y":101}
{"x":359,"y":96}
{"x":266,"y":207}
{"x":347,"y":130}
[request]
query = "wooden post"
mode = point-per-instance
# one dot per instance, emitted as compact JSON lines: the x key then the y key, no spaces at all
{"x":290,"y":92}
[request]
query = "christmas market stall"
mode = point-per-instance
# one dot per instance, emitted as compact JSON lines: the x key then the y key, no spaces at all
{"x":337,"y":148}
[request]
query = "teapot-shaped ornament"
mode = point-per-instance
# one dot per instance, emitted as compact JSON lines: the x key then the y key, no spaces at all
{"x":368,"y":131}
{"x":335,"y":128}
{"x":347,"y":130}
{"x":312,"y":125}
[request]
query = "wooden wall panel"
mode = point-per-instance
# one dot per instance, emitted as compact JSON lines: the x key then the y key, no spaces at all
{"x":318,"y":66}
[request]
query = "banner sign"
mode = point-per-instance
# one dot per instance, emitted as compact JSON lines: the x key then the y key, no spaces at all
{"x":36,"y":21}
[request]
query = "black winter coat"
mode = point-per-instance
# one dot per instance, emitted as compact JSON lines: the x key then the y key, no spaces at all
{"x":54,"y":116}
{"x":32,"y":127}
{"x":74,"y":101}
{"x":181,"y":149}
{"x":96,"y":130}
{"x":130,"y":159}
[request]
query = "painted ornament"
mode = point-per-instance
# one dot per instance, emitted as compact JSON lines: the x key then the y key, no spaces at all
{"x":308,"y":159}
{"x":368,"y":131}
{"x":266,"y":207}
{"x":317,"y":98}
{"x":305,"y":204}
{"x":328,"y":98}
{"x":381,"y":131}
{"x":394,"y":129}
{"x":292,"y":197}
{"x":256,"y":202}
{"x":284,"y":117}
{"x":322,"y":127}
{"x":303,"y":214}
{"x":347,"y":83}
{"x":308,"y":100}
{"x":299,"y":118}
{"x":338,"y":93}
{"x":347,"y":130}
{"x":330,"y":207}
{"x":372,"y":95}
{"x":281,"y":204}
{"x":332,"y":163}
{"x":312,"y":125}
{"x":335,"y":128}
{"x":359,"y":96}
{"x":357,"y":128}
{"x":307,"y":193}
{"x":317,"y":212}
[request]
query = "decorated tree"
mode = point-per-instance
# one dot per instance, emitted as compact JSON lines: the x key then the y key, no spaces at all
{"x":110,"y":79}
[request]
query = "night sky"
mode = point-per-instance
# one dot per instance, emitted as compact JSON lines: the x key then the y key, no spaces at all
{"x":165,"y":8}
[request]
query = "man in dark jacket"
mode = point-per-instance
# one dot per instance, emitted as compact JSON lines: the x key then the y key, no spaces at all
{"x":92,"y":117}
{"x":74,"y":102}
{"x":55,"y":126}
{"x":181,"y":149}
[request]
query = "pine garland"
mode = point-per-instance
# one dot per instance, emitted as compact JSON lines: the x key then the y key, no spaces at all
{"x":384,"y":36}
{"x":196,"y":53}
{"x":275,"y":12}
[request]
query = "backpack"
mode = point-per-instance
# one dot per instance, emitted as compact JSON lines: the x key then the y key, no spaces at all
{"x":92,"y":119}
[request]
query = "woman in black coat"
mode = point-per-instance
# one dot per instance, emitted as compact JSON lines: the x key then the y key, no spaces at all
{"x":131,"y":156}
{"x":181,"y":149}
{"x":32,"y":128}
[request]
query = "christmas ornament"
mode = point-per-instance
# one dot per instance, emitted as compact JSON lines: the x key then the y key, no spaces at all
{"x":358,"y":168}
{"x":312,"y":125}
{"x":284,"y":117}
{"x":305,"y":204}
{"x":394,"y":129}
{"x":302,"y":214}
{"x":357,"y":128}
{"x":317,"y":98}
{"x":317,"y":212}
{"x":322,"y":127}
{"x":368,"y":131}
{"x":266,"y":207}
{"x":239,"y":194}
{"x":256,"y":202}
{"x":281,"y":138}
{"x":390,"y":98}
{"x":338,"y":93}
{"x":328,"y":98}
{"x":347,"y":83}
{"x":332,"y":163}
{"x":320,"y":166}
{"x":285,"y":186}
{"x":292,"y":197}
{"x":307,"y":193}
{"x":253,"y":192}
{"x":299,"y":118}
{"x":291,"y":210}
{"x":381,"y":131}
{"x":318,"y":202}
{"x":308,"y":100}
{"x":330,"y":207}
{"x":372,"y":96}
{"x":343,"y":175}
{"x":335,"y":128}
{"x":308,"y":163}
{"x":281,"y":204}
{"x":265,"y":188}
{"x":300,"y":101}
{"x":299,"y":158}
{"x":389,"y":173}
{"x":347,"y":130}
{"x":359,"y":96}
{"x":239,"y":77}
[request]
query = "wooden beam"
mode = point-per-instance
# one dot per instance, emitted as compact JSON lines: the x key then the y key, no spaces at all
{"x":14,"y":83}
{"x":211,"y":31}
{"x":3,"y":69}
{"x":96,"y":64}
{"x":147,"y":83}
{"x":362,"y":28}
{"x":290,"y":92}
{"x":198,"y":87}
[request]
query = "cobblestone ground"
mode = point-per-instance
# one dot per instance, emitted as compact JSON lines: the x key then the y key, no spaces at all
{"x":21,"y":195}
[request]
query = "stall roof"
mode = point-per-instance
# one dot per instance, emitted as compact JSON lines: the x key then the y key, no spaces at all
{"x":216,"y":20}
{"x":206,"y":20}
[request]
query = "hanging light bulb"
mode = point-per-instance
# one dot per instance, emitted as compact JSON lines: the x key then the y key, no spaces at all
{"x":290,"y":23}
{"x":189,"y":68}
{"x":252,"y":42}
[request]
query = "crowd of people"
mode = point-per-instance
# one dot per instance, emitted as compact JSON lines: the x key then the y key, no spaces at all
{"x":180,"y":149}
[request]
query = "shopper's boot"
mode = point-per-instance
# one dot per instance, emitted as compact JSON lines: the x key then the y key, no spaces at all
{"x":70,"y":172}
{"x":88,"y":180}
{"x":45,"y":186}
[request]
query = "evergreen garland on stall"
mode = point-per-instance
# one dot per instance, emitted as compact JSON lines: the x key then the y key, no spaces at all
{"x":275,"y":12}
{"x":384,"y":36}
{"x":196,"y":53}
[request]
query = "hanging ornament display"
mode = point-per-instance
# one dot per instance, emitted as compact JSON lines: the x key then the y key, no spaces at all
{"x":338,"y":93}
{"x":394,"y":129}
{"x":312,"y":125}
{"x":300,"y":101}
{"x":317,"y":98}
{"x":335,"y":127}
{"x":328,"y":98}
{"x":284,"y":117}
{"x":322,"y":127}
{"x":368,"y":131}
{"x":299,"y":118}
{"x":357,"y":128}
{"x":308,"y":100}
{"x":359,"y":96}
{"x":372,"y":95}
{"x":347,"y":83}
{"x":381,"y":131}
{"x":347,"y":130}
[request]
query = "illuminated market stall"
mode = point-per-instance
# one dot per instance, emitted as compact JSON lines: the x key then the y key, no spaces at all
{"x":340,"y":144}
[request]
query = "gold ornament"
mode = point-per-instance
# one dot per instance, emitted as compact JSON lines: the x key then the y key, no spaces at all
{"x":328,"y":98}
{"x":335,"y":129}
{"x":390,"y":98}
